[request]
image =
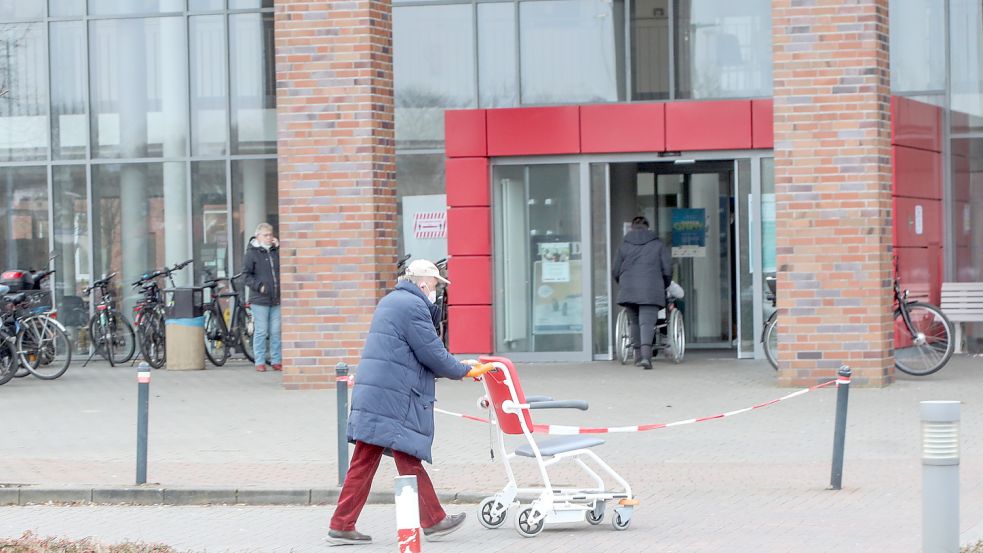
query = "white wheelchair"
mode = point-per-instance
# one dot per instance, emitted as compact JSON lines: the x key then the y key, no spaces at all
{"x":670,"y":332}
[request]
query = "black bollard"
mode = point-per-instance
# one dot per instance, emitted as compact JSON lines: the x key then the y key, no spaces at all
{"x":839,"y":434}
{"x":341,"y":372}
{"x":143,"y":417}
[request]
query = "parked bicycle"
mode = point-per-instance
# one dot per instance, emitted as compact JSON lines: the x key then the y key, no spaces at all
{"x":442,"y":328}
{"x":41,"y":342}
{"x":670,"y":331}
{"x":220,"y":337}
{"x":922,"y":335}
{"x":149,"y":315}
{"x":769,"y":334}
{"x":111,"y":334}
{"x":8,"y":352}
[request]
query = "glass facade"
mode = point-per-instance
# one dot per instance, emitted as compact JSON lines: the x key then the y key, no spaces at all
{"x":134,"y":134}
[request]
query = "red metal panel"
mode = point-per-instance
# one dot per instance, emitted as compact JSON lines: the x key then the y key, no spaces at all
{"x":606,"y":128}
{"x":470,"y":328}
{"x":534,"y":131}
{"x":708,"y":125}
{"x":917,"y":222}
{"x":465,"y":133}
{"x":966,"y":271}
{"x":469,"y":231}
{"x":960,"y":122}
{"x":467,"y":182}
{"x":762,"y":124}
{"x":916,"y":173}
{"x":920,"y":272}
{"x":471,"y":279}
{"x":962,"y":224}
{"x":961,"y":178}
{"x":916,"y":124}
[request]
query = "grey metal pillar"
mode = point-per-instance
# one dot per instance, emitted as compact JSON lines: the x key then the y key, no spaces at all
{"x":940,"y":476}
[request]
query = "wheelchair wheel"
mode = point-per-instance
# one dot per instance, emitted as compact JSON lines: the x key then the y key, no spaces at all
{"x":525,"y":527}
{"x":676,"y":335}
{"x":622,"y":338}
{"x":492,"y":513}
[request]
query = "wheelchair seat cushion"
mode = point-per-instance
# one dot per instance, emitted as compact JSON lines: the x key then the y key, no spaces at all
{"x":552,"y":446}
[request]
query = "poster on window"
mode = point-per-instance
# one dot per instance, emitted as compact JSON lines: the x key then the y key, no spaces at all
{"x":557,"y":305}
{"x":556,"y":261}
{"x":689,"y":232}
{"x":425,"y":226}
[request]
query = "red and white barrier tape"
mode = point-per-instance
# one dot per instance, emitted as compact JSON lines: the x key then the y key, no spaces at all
{"x":557,"y":429}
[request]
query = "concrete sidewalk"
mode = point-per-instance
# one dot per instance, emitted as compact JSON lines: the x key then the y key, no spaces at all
{"x":231,"y":435}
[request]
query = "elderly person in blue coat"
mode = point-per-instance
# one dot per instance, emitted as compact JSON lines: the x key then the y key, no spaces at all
{"x":392,"y":402}
{"x":643,"y":271}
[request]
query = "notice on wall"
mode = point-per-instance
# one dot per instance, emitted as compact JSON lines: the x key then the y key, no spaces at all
{"x":689,"y":232}
{"x":556,"y":261}
{"x":425,"y":226}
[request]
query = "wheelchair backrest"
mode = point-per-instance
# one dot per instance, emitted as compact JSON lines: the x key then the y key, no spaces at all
{"x":504,"y":385}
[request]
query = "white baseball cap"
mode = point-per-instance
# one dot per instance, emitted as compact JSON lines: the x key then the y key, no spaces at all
{"x":424,"y":268}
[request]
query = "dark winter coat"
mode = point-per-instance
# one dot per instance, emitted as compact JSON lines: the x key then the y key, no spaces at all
{"x":393,"y":397}
{"x":642,"y":269}
{"x":261,"y":270}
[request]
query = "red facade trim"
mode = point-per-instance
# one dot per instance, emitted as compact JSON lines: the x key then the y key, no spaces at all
{"x":717,"y":125}
{"x":467,"y":182}
{"x":465,"y":133}
{"x":614,"y":128}
{"x":534,"y":131}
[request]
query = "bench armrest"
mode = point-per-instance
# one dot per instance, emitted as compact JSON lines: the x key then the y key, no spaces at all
{"x":560,"y":404}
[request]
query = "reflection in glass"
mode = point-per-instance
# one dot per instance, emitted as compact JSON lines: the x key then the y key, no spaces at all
{"x":539,"y":273}
{"x":769,"y":250}
{"x":134,"y":7}
{"x":254,"y":201}
{"x":253,"y":83}
{"x":71,"y":233}
{"x":65,"y":8}
{"x":966,"y":62}
{"x":209,"y":114}
{"x":917,"y":46}
{"x":23,"y":109}
{"x":21,"y":9}
{"x":570,"y":51}
{"x":249,"y":4}
{"x":139,"y":87}
{"x":967,"y":211}
{"x":496,"y":56}
{"x":205,"y":5}
{"x":723,"y":48}
{"x":69,"y":125}
{"x":433,"y":65}
{"x":419,"y":188}
{"x":599,"y":254}
{"x":650,"y":50}
{"x":23,"y":218}
{"x":210,"y":216}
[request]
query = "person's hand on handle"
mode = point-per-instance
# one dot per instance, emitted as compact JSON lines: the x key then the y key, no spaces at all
{"x":478,"y":369}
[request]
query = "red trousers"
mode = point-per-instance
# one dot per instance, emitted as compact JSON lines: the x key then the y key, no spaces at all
{"x":358,"y":483}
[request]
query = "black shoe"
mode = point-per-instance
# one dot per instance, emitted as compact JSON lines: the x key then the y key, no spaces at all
{"x":446,"y":526}
{"x":647,"y":364}
{"x":348,"y":537}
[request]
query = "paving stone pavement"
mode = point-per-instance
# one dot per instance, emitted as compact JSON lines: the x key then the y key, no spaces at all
{"x":753,"y":482}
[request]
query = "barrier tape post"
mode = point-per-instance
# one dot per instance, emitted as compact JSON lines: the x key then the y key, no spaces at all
{"x":341,"y":373}
{"x":839,"y":433}
{"x":407,"y":515}
{"x":143,"y":418}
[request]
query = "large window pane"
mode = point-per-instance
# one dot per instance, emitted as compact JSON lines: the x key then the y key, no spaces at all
{"x":69,"y":205}
{"x":21,"y":9}
{"x":966,"y":53}
{"x":253,"y":83}
{"x":249,"y":4}
{"x":23,"y":218}
{"x":139,"y":87}
{"x":917,"y":46}
{"x":210,"y":215}
{"x":23,"y":107}
{"x":254,"y":201}
{"x":433,"y":70}
{"x":569,"y":51}
{"x":539,"y":303}
{"x":496,"y":56}
{"x":66,"y":8}
{"x":421,"y":201}
{"x":69,"y":125}
{"x":209,"y":93}
{"x":205,"y":5}
{"x":723,"y":48}
{"x":127,"y":7}
{"x":650,"y":50}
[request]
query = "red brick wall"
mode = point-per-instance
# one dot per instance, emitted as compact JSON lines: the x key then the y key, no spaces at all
{"x":337,"y":165}
{"x":833,"y":189}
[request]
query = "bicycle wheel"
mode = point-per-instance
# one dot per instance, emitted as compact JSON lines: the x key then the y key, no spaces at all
{"x":8,"y":359}
{"x":113,"y":338}
{"x":216,"y":350}
{"x":676,"y":336}
{"x":244,"y":331}
{"x":931,"y":345}
{"x":622,"y":338}
{"x":152,"y":341}
{"x":43,"y":347}
{"x":770,"y":341}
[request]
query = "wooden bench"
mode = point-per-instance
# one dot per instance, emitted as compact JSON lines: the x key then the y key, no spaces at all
{"x":962,"y":302}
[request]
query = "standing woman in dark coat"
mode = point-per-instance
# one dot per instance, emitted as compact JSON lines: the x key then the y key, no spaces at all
{"x":643,"y":271}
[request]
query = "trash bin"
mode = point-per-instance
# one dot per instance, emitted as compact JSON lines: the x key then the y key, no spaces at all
{"x":185,"y":328}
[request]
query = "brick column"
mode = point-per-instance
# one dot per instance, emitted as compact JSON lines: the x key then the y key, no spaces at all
{"x":335,"y":148}
{"x":833,"y":189}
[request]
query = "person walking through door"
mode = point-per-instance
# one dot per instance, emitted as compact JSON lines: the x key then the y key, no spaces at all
{"x":643,"y":270}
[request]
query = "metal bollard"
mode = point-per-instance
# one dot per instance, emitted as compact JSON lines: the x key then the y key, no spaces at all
{"x":341,"y":373}
{"x":940,"y":476}
{"x":143,"y":419}
{"x":407,"y":515}
{"x":839,"y":432}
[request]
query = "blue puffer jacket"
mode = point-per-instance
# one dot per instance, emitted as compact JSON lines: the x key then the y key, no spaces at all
{"x":393,"y":397}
